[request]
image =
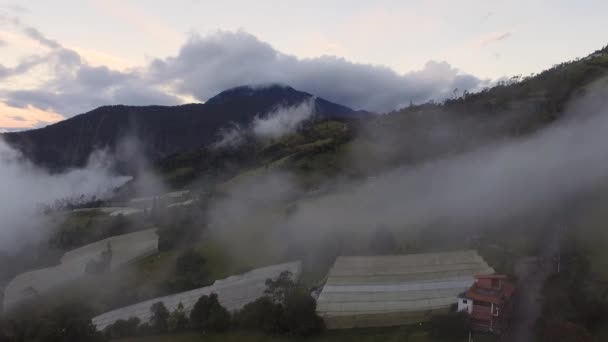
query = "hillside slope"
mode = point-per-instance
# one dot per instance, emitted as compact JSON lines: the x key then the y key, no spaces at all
{"x":161,"y":130}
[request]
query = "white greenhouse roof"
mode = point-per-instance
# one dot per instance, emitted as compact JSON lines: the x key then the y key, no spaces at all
{"x":125,"y":249}
{"x":233,"y":293}
{"x":401,"y":284}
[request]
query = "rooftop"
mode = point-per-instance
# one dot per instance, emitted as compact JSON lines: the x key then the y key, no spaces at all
{"x":358,"y":289}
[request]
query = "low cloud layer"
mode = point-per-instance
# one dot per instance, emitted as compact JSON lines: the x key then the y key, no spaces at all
{"x":272,"y":125}
{"x":283,"y":120}
{"x":24,"y":188}
{"x":207,"y":65}
{"x":484,"y":187}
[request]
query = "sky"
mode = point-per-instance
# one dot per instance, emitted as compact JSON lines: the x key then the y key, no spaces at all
{"x":65,"y":57}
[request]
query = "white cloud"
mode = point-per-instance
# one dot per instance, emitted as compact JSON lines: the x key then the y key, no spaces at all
{"x":283,"y":120}
{"x":25,"y":186}
{"x":208,"y":65}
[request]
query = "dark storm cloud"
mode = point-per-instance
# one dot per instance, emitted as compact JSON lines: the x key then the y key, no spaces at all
{"x":207,"y":65}
{"x":88,"y":87}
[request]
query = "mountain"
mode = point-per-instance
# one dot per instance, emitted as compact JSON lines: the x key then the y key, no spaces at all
{"x":161,"y":130}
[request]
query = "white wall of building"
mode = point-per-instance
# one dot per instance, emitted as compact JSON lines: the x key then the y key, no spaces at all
{"x":465,"y":305}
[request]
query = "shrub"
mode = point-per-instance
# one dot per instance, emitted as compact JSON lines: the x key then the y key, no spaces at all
{"x":209,"y":315}
{"x":144,"y":330}
{"x":66,"y":322}
{"x":122,"y":328}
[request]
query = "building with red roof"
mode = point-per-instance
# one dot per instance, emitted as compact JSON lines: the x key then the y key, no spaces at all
{"x":488,"y":302}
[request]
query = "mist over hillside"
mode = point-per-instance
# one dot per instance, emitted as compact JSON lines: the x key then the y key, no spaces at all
{"x":161,"y":130}
{"x":261,"y":175}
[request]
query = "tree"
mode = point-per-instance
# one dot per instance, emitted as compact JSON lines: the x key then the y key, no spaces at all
{"x":300,"y":317}
{"x":283,"y":309}
{"x":67,"y":322}
{"x":122,"y":328}
{"x":159,"y":322}
{"x":190,"y":272}
{"x":178,"y":321}
{"x":262,"y":314}
{"x":278,"y":289}
{"x":209,"y":315}
{"x":144,"y":330}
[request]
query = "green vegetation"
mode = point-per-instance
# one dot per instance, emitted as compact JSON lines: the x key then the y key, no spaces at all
{"x":452,"y":326}
{"x":62,"y":321}
{"x":190,"y":272}
{"x":284,"y":310}
{"x":389,"y":334}
{"x":159,"y":320}
{"x":575,"y":306}
{"x":208,"y":315}
{"x":321,"y":153}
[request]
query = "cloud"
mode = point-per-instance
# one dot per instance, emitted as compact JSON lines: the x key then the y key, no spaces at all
{"x":274,"y":124}
{"x":487,"y":16}
{"x":75,"y":86}
{"x":283,"y":120}
{"x":485,"y":186}
{"x":24,"y":186}
{"x":230,"y":137}
{"x":491,"y":38}
{"x":14,"y":8}
{"x":207,"y":65}
{"x":17,"y":118}
{"x":12,"y":118}
{"x":40,"y":38}
{"x":24,"y":66}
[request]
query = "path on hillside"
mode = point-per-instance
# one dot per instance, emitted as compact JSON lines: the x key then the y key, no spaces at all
{"x":531,"y":273}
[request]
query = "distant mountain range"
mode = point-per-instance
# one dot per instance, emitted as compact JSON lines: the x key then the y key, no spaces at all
{"x":161,"y":130}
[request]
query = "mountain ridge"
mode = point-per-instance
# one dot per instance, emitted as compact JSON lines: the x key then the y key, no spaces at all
{"x":161,"y":130}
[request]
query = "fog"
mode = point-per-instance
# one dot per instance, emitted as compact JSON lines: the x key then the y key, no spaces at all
{"x":283,"y":120}
{"x":274,"y":124}
{"x":485,"y":186}
{"x":25,"y":188}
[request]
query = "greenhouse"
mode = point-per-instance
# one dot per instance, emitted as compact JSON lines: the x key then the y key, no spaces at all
{"x":368,"y":291}
{"x":233,"y":293}
{"x":119,"y":250}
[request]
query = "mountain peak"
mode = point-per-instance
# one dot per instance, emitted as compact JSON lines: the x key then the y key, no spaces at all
{"x":266,"y":91}
{"x":162,"y":130}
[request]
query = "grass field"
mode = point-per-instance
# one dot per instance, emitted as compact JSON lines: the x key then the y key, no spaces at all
{"x":396,"y":334}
